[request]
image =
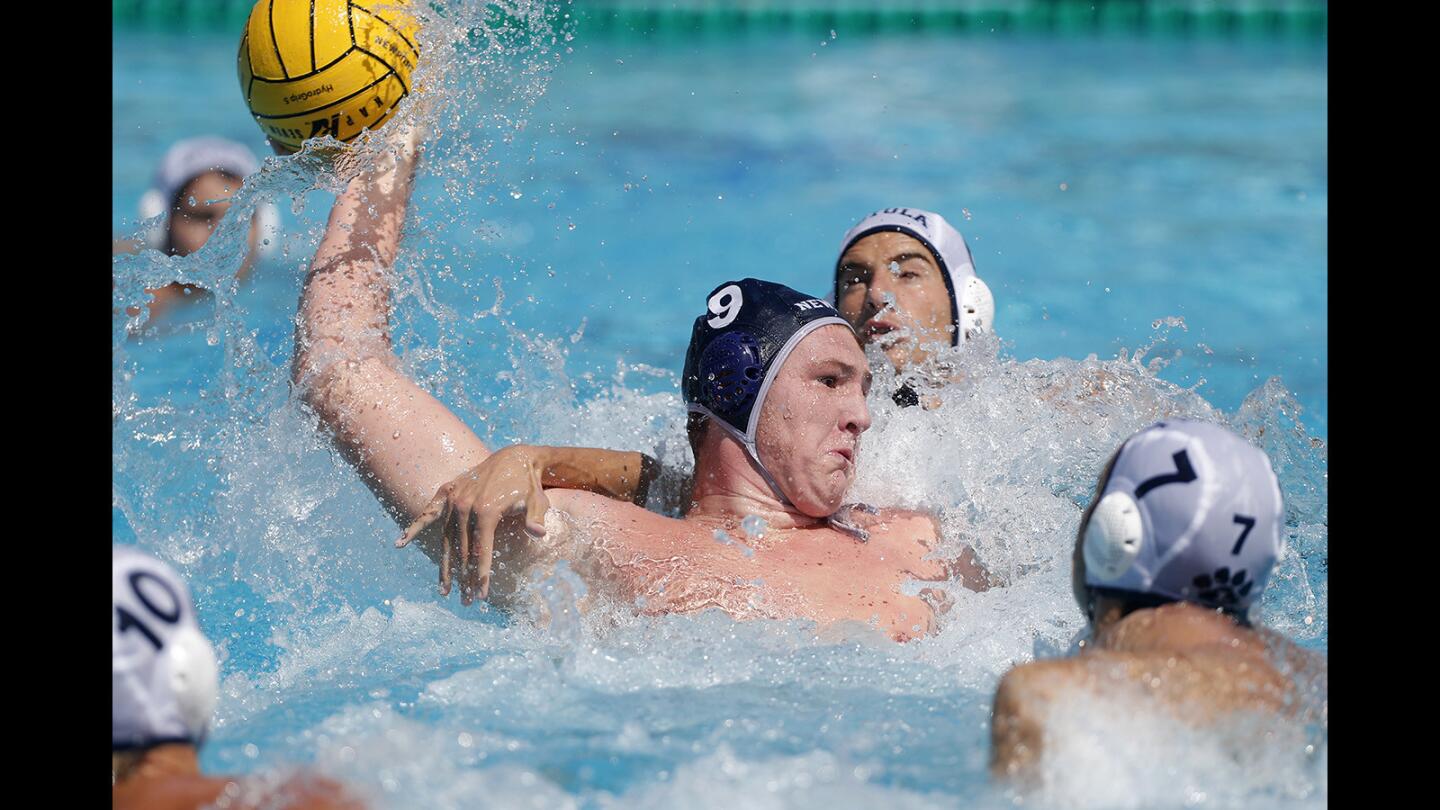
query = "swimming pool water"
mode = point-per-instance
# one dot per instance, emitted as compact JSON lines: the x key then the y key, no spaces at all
{"x":1105,"y":185}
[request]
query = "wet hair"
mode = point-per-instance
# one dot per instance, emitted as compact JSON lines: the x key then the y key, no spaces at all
{"x":123,"y":764}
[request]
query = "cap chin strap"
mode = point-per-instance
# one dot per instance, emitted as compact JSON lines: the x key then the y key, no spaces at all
{"x":750,"y":449}
{"x":839,"y":520}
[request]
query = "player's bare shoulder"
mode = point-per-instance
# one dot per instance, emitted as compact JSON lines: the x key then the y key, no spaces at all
{"x":590,"y":520}
{"x":910,"y":525}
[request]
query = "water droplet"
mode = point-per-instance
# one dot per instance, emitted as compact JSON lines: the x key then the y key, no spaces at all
{"x":1064,"y":186}
{"x":572,"y":226}
{"x":395,"y":435}
{"x":251,"y":750}
{"x":753,"y":525}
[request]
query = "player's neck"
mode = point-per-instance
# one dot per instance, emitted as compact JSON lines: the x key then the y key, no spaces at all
{"x":730,"y":487}
{"x":170,"y":759}
{"x":1173,"y":625}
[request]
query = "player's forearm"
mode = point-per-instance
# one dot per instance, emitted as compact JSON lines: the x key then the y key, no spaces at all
{"x":345,"y":307}
{"x":617,"y":474}
{"x":405,"y":442}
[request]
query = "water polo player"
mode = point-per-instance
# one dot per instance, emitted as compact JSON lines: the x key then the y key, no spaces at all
{"x":905,"y":280}
{"x":1169,"y":564}
{"x":191,"y":189}
{"x":779,"y":385}
{"x":164,"y":679}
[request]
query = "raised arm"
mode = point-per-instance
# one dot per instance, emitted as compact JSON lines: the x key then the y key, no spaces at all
{"x":404,"y":443}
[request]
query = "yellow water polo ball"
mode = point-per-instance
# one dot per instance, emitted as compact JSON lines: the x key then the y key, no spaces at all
{"x":310,"y":68}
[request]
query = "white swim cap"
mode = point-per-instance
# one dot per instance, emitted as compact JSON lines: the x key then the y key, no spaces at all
{"x":972,"y":307}
{"x":1191,"y":512}
{"x":190,"y":158}
{"x":164,"y":674}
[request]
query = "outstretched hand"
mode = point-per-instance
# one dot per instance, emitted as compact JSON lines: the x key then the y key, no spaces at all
{"x":508,"y":481}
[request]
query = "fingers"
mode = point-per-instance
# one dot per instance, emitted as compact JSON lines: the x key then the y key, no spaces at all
{"x":476,"y":561}
{"x":467,"y":594}
{"x":425,"y":518}
{"x":445,"y":550}
{"x":471,"y":585}
{"x":486,"y":552}
{"x":535,"y":508}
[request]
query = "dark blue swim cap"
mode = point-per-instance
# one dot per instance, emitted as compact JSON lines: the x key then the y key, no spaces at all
{"x":738,"y":346}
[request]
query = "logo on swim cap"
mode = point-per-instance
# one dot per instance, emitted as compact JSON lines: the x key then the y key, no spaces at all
{"x":730,"y":372}
{"x":1204,"y":509}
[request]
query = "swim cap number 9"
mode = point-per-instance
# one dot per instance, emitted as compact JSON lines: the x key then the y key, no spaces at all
{"x":726,"y":306}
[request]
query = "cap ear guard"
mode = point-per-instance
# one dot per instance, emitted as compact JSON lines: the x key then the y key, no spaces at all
{"x":976,"y":308}
{"x":1113,"y":537}
{"x":731,"y":370}
{"x":152,"y":204}
{"x":194,"y":677}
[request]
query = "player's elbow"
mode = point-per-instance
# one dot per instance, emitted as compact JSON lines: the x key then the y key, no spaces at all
{"x":309,"y":367}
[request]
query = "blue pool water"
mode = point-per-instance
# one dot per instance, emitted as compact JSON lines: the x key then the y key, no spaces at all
{"x":1128,"y":201}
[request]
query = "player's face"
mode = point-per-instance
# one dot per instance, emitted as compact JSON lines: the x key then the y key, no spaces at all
{"x":810,"y":425}
{"x":893,"y":292}
{"x":203,"y":202}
